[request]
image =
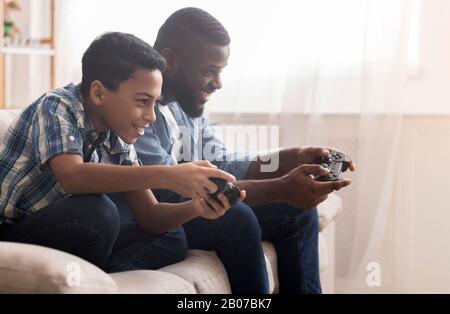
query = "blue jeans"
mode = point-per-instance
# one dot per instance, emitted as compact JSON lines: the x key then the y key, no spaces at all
{"x":89,"y":226}
{"x":236,"y":238}
{"x":84,"y":225}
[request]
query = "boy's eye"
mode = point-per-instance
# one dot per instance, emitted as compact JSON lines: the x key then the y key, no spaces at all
{"x":143,"y":102}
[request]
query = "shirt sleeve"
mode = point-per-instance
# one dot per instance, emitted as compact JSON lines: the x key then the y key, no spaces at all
{"x":54,"y":131}
{"x":215,"y":151}
{"x":150,"y":151}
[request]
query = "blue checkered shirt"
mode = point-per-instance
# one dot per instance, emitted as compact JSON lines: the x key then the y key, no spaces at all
{"x":54,"y":124}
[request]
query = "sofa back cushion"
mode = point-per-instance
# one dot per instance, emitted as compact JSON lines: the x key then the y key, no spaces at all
{"x":7,"y":116}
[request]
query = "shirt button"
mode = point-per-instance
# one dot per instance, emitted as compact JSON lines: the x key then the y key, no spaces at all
{"x":71,"y":138}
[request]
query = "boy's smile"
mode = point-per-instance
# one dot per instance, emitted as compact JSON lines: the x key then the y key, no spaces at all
{"x":130,"y":109}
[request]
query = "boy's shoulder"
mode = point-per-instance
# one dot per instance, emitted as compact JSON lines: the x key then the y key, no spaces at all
{"x":68,"y":96}
{"x":65,"y":101}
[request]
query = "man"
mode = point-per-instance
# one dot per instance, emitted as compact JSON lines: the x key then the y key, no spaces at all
{"x":279,"y":206}
{"x":74,"y":144}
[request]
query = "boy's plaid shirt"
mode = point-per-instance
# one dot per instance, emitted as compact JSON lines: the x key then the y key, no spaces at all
{"x":54,"y":124}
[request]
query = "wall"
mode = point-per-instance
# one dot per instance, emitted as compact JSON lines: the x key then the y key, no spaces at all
{"x":415,"y":250}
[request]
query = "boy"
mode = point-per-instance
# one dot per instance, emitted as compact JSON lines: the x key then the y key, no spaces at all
{"x":74,"y":144}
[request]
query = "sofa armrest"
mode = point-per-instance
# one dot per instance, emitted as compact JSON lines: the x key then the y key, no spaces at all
{"x":328,"y":210}
{"x":26,"y":268}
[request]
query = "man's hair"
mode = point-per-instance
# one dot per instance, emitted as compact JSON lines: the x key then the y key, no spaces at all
{"x":188,"y":22}
{"x":114,"y":57}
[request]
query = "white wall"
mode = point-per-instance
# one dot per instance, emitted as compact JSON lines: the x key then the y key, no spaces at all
{"x":415,"y":252}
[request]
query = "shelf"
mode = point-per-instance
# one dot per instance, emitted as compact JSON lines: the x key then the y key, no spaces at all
{"x":43,"y":45}
{"x":28,"y":51}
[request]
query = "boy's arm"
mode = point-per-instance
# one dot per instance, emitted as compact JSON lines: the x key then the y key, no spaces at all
{"x":157,"y":217}
{"x":189,"y":179}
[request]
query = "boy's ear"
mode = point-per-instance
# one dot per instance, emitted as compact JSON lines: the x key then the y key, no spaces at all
{"x":96,"y":92}
{"x":172,"y":61}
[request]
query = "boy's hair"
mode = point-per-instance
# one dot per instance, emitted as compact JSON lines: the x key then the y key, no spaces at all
{"x":113,"y":57}
{"x":188,"y":22}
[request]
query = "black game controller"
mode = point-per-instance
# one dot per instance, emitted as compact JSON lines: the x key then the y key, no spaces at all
{"x":337,"y":163}
{"x":231,"y":192}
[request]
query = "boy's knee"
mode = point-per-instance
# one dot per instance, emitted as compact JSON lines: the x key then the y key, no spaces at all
{"x":177,"y":245}
{"x":102,"y":213}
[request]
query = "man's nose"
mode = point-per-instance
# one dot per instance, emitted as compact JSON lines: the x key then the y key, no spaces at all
{"x":217,"y":82}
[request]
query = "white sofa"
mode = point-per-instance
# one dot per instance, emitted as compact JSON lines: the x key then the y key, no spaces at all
{"x":28,"y":268}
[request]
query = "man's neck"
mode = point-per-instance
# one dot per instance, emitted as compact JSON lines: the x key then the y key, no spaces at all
{"x":168,"y":96}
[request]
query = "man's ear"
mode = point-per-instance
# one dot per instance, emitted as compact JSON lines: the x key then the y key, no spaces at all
{"x":172,"y":61}
{"x":96,"y":92}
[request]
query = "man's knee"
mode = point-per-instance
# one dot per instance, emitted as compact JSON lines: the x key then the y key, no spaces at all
{"x":243,"y":217}
{"x":305,"y":220}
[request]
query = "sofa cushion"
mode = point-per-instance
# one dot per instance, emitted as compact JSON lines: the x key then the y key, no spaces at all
{"x":328,"y":210}
{"x":205,"y":271}
{"x":6,"y":118}
{"x":26,"y":268}
{"x":151,"y":281}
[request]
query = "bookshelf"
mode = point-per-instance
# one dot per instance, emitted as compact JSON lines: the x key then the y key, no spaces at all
{"x":44,"y":47}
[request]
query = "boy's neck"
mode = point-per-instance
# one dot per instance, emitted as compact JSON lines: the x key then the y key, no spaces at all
{"x":95,"y":116}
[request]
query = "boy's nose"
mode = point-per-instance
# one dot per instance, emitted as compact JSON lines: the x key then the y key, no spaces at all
{"x":150,"y":115}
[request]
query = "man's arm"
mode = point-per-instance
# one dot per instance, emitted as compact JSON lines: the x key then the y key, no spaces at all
{"x":287,"y":159}
{"x":297,"y":188}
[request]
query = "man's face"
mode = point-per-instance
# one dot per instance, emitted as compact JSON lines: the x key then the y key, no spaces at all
{"x":197,"y":76}
{"x":131,"y":108}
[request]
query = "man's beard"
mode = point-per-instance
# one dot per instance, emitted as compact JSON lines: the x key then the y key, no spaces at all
{"x":185,"y":97}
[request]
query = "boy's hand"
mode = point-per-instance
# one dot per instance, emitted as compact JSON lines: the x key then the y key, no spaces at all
{"x":210,"y":209}
{"x":191,"y":179}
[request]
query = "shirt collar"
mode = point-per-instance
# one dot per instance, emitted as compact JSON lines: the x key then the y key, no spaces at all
{"x":112,"y":144}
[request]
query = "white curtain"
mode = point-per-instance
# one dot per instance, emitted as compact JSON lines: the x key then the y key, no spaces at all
{"x":335,"y":73}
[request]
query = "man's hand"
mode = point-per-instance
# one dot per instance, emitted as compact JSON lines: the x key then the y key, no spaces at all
{"x":208,"y":208}
{"x":300,"y":190}
{"x":312,"y":155}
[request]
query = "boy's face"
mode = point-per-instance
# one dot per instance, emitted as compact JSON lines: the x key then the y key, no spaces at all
{"x":131,"y":108}
{"x":197,"y":76}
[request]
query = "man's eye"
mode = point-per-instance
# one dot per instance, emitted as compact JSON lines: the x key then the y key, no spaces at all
{"x":209,"y":73}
